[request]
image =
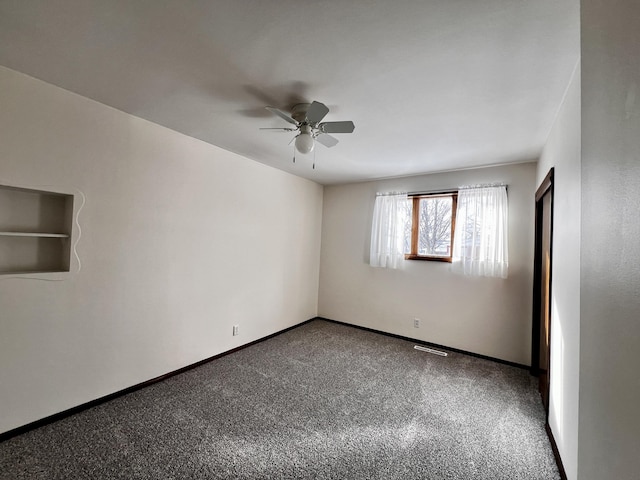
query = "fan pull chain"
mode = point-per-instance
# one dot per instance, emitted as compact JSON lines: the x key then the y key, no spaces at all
{"x":314,"y":159}
{"x":294,"y":154}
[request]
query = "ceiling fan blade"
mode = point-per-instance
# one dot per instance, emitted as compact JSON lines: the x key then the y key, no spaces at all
{"x":282,"y":115}
{"x":316,"y":112}
{"x":282,"y":129}
{"x":337,"y":127}
{"x":327,"y":140}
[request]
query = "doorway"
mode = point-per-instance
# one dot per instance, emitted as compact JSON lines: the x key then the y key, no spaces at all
{"x":541,"y":334}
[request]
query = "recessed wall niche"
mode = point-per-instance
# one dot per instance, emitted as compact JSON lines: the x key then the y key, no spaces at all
{"x":35,"y":230}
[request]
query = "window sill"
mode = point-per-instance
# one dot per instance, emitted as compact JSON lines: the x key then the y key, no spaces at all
{"x":424,"y":257}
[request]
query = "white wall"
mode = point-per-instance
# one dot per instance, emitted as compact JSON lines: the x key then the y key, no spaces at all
{"x":609,"y":436}
{"x":482,"y":315}
{"x":180,"y":240}
{"x":562,"y":152}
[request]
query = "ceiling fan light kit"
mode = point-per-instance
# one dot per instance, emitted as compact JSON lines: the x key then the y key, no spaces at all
{"x":307,"y":118}
{"x":304,"y":141}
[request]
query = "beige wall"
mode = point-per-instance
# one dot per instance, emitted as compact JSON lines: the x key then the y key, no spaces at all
{"x":180,"y":240}
{"x":562,"y":152}
{"x":482,"y":315}
{"x":609,"y":434}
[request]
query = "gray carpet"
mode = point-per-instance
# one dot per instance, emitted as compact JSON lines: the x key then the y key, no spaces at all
{"x":322,"y":401}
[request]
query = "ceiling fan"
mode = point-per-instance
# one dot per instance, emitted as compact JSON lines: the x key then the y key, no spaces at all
{"x":307,"y":118}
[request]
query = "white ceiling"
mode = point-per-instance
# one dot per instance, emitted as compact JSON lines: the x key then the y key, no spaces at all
{"x":431,"y":85}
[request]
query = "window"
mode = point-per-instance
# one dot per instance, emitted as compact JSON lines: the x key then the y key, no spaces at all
{"x":423,"y":227}
{"x":429,"y":233}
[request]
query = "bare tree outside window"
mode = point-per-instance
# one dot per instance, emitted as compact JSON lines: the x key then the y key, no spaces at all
{"x":434,"y":231}
{"x":430,"y":234}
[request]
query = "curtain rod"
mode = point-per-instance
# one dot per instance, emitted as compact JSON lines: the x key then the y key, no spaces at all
{"x":454,"y":190}
{"x":386,"y":194}
{"x":430,"y":192}
{"x":443,"y":190}
{"x":433,"y":192}
{"x":483,"y":185}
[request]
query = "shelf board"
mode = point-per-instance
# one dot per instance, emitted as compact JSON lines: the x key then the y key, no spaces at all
{"x":33,"y":234}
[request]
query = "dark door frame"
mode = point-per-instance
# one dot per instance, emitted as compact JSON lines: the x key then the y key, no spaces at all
{"x":545,"y":187}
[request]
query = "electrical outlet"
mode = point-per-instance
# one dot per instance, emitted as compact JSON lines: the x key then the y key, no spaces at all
{"x":236,"y":329}
{"x":416,"y":323}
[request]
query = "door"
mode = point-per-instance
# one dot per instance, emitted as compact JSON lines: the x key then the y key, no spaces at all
{"x":541,"y":335}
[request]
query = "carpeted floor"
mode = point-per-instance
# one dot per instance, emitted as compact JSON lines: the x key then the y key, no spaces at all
{"x":321,"y":401}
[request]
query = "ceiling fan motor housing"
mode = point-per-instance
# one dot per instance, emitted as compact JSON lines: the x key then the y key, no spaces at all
{"x":299,"y":112}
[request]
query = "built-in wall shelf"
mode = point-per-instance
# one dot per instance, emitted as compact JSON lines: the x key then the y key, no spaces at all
{"x":35,"y":230}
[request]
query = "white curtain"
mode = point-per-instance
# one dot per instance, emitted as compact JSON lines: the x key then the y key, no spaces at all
{"x":390,"y":214}
{"x":480,"y":245}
